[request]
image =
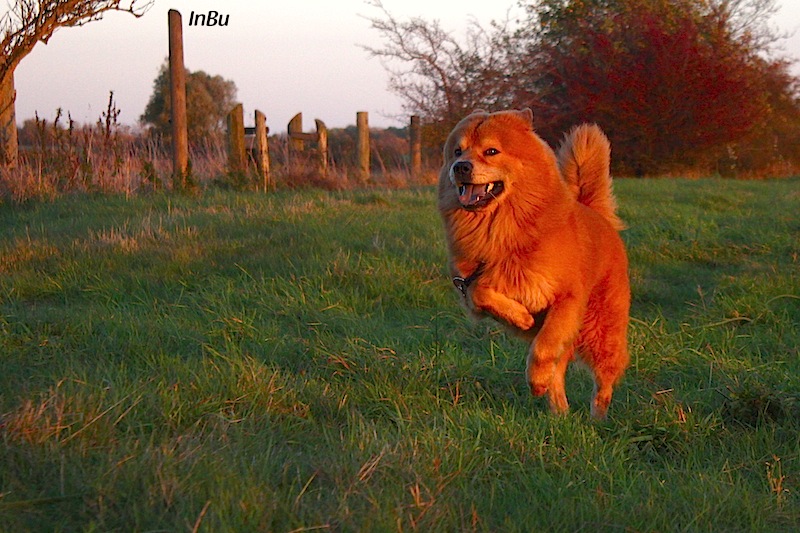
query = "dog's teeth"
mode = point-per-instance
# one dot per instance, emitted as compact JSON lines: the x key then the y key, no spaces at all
{"x":490,"y":187}
{"x":462,"y":189}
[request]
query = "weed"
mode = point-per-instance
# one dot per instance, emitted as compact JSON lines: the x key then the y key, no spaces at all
{"x":149,"y":177}
{"x":753,"y":402}
{"x":777,"y":481}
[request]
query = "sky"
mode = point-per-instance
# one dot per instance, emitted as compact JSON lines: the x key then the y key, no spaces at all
{"x":284,"y":56}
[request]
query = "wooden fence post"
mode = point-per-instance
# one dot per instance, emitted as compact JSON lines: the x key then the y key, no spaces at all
{"x":297,"y":139}
{"x":322,"y":147}
{"x":177,"y":87}
{"x":362,"y":123}
{"x":415,"y":147}
{"x":236,"y":159}
{"x":295,"y":126}
{"x":262,"y":148}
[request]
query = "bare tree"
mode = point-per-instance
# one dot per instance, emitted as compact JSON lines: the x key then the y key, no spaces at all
{"x":28,"y":22}
{"x":748,"y":22}
{"x":438,"y":77}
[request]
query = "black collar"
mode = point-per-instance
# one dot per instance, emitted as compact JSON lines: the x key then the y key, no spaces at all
{"x":462,"y":284}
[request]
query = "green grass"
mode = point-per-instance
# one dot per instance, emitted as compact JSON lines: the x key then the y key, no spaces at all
{"x":298,"y":362}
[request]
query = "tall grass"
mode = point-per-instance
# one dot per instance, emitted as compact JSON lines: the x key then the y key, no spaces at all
{"x":64,"y":157}
{"x":72,"y":160}
{"x":298,"y":361}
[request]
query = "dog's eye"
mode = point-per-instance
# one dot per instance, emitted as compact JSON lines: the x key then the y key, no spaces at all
{"x":491,"y":151}
{"x":458,"y":152}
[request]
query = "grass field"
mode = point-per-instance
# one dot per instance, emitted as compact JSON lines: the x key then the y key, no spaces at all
{"x":299,"y":362}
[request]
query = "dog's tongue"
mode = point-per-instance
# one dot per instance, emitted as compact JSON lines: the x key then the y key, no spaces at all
{"x":471,"y":193}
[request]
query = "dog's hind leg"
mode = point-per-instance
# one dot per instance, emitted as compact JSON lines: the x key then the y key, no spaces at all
{"x":601,"y":397}
{"x":607,"y":368}
{"x":604,"y":347}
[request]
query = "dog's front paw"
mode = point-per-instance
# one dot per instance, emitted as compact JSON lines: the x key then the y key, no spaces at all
{"x":523,"y":320}
{"x":502,"y":308}
{"x":538,"y":389}
{"x":540,"y":376}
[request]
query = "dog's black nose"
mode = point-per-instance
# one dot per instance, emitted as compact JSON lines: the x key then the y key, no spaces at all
{"x":462,"y":170}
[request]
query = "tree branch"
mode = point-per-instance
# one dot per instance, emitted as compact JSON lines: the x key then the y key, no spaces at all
{"x":30,"y":21}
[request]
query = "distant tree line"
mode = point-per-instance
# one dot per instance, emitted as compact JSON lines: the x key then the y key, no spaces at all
{"x":678,"y":85}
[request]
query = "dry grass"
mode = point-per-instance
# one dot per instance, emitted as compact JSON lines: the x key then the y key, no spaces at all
{"x":63,"y":157}
{"x":149,"y":168}
{"x":128,"y":165}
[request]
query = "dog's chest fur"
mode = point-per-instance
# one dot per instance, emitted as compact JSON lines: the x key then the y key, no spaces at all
{"x":526,"y":283}
{"x":531,"y":286}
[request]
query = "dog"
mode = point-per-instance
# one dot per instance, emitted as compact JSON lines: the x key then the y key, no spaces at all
{"x":533,"y":241}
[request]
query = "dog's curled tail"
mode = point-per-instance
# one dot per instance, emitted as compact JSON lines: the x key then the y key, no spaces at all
{"x":584,"y":159}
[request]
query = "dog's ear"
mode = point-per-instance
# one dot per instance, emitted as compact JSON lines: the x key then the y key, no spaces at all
{"x":527,"y":115}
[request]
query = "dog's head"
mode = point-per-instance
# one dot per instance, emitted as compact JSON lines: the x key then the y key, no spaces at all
{"x":485,"y":157}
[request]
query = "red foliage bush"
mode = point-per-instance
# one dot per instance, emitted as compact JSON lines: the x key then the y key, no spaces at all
{"x":669,"y":85}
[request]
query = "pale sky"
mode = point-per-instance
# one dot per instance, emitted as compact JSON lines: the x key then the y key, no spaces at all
{"x":284,"y":56}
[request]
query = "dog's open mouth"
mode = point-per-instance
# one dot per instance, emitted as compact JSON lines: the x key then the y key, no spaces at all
{"x":477,"y":195}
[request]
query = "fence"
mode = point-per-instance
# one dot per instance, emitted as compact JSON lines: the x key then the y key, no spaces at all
{"x":306,"y":146}
{"x":298,"y":140}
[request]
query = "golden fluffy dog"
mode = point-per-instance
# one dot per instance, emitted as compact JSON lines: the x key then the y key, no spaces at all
{"x":533,"y":242}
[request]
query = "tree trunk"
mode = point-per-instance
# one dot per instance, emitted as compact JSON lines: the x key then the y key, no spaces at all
{"x":9,"y":148}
